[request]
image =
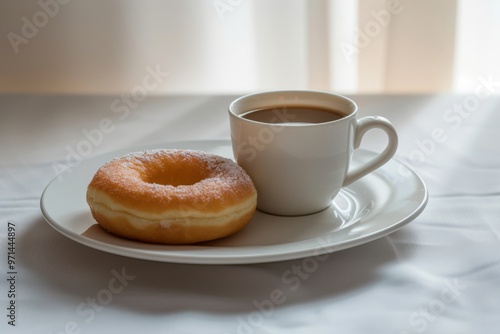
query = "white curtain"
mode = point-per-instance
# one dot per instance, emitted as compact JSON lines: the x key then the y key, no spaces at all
{"x":234,"y":46}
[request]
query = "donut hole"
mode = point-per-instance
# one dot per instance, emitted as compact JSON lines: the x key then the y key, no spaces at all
{"x":179,"y":174}
{"x":175,"y":179}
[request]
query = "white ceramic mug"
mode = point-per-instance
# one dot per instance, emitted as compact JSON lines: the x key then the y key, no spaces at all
{"x":298,"y":169}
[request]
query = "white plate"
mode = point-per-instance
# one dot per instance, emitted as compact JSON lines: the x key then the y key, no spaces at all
{"x":372,"y":207}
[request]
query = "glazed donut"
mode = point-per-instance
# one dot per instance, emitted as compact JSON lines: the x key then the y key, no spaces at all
{"x":171,"y":196}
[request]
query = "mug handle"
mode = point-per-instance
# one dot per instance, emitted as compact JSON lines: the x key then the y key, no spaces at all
{"x":362,"y":126}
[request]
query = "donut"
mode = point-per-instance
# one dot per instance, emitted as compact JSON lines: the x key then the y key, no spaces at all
{"x":171,"y":196}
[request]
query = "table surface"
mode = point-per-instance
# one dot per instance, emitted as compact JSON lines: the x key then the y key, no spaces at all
{"x":438,"y":274}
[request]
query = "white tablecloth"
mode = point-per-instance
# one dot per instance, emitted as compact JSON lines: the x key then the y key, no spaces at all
{"x":438,"y":274}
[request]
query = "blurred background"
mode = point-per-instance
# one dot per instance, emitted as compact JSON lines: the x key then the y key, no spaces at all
{"x":235,"y":46}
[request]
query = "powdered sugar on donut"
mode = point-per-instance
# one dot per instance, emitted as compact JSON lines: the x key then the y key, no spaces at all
{"x":143,"y":179}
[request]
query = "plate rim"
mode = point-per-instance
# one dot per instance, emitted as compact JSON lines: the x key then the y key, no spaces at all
{"x":228,"y":259}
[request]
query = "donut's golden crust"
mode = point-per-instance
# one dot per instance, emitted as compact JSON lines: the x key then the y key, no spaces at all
{"x":172,"y":196}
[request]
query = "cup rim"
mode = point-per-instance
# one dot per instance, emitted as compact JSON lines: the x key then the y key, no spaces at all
{"x":313,"y":92}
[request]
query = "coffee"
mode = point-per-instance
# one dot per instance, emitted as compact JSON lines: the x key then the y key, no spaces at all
{"x":293,"y":115}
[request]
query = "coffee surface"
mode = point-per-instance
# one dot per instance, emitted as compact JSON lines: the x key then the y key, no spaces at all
{"x":293,"y":115}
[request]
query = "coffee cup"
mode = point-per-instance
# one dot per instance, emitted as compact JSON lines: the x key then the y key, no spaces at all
{"x":297,"y":147}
